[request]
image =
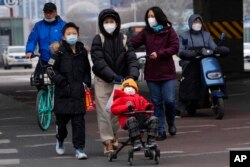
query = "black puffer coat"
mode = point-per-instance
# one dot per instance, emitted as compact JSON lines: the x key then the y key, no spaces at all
{"x":71,"y":71}
{"x":111,"y":58}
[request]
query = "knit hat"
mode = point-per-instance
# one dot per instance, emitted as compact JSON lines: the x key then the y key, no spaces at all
{"x":129,"y":82}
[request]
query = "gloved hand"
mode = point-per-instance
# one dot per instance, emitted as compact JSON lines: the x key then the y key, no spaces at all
{"x":50,"y":72}
{"x":131,"y":108}
{"x":118,"y":78}
{"x":149,"y":106}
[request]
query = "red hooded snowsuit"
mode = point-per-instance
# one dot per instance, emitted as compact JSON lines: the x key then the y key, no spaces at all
{"x":123,"y":100}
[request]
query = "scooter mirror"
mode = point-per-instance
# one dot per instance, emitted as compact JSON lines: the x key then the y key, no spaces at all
{"x":223,"y":36}
{"x":185,"y":42}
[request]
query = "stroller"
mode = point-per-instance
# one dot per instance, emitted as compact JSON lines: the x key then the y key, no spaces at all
{"x":152,"y":153}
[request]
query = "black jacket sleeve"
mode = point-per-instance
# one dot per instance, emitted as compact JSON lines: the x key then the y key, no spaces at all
{"x":87,"y":76}
{"x":100,"y":67}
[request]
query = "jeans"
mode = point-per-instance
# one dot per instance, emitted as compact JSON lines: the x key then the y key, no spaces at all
{"x":162,"y":95}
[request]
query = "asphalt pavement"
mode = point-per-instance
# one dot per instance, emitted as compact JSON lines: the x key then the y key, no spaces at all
{"x":200,"y":141}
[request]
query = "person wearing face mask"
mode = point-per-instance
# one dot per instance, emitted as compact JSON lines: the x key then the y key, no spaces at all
{"x":44,"y":33}
{"x":161,"y":43}
{"x":127,"y":99}
{"x":112,"y":62}
{"x":196,"y":38}
{"x":69,"y":69}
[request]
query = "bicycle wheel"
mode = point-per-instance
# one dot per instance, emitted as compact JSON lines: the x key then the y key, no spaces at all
{"x":43,"y":108}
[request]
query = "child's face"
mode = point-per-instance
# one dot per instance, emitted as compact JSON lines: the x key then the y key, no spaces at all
{"x":129,"y":90}
{"x":70,"y":35}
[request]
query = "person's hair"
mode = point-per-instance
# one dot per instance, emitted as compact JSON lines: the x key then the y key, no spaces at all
{"x":160,"y":17}
{"x":70,"y":24}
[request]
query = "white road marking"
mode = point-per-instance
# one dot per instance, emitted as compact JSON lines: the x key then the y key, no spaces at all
{"x":9,"y":161}
{"x":120,"y":138}
{"x":195,"y":154}
{"x":4,"y":141}
{"x":162,"y":152}
{"x":239,"y":148}
{"x":11,"y":118}
{"x":0,"y":133}
{"x":37,"y":135}
{"x":235,"y":128}
{"x":196,"y":126}
{"x":8,"y":151}
{"x":45,"y":144}
{"x":22,"y":91}
{"x":188,"y":132}
{"x":63,"y":157}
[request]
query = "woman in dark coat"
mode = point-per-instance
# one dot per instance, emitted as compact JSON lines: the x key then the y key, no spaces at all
{"x":113,"y":60}
{"x":161,"y":43}
{"x":70,"y":70}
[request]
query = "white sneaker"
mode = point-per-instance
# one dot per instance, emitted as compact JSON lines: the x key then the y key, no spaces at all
{"x":80,"y":154}
{"x":59,"y":148}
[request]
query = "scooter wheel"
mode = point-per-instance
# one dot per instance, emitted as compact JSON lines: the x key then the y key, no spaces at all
{"x":219,"y":109}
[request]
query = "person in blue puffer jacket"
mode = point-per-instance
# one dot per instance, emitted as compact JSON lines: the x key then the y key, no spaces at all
{"x":44,"y":33}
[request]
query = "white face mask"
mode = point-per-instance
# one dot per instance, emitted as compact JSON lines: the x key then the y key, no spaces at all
{"x":129,"y":90}
{"x":109,"y":27}
{"x":152,"y":22}
{"x":50,"y":20}
{"x":196,"y":26}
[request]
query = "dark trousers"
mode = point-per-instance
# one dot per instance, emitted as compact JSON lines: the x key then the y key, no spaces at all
{"x":134,"y":127}
{"x":78,"y":128}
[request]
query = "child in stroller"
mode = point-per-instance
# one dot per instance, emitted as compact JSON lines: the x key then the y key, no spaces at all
{"x":135,"y":115}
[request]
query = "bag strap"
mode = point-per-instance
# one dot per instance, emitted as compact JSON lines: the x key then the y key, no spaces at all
{"x":124,"y":40}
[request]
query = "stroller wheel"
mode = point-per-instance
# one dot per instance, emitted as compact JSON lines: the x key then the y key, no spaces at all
{"x":147,"y":152}
{"x":152,"y":154}
{"x":130,"y":157}
{"x":157,"y":156}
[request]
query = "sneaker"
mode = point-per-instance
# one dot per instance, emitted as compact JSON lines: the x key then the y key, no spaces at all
{"x":108,"y":147}
{"x":172,"y":130}
{"x":151,"y":143}
{"x":137,"y":145}
{"x":161,"y":136}
{"x":115,"y":142}
{"x":80,"y":154}
{"x":59,"y":147}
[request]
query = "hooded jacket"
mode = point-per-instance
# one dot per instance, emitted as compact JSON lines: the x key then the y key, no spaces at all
{"x":45,"y":34}
{"x":111,"y":58}
{"x":123,"y":100}
{"x":195,"y":39}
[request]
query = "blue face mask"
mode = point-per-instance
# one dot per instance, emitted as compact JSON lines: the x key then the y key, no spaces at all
{"x":50,"y":20}
{"x":71,"y":39}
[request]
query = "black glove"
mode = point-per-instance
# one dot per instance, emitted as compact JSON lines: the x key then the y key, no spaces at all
{"x":127,"y":77}
{"x":131,"y":108}
{"x":50,"y":72}
{"x":187,"y":54}
{"x":149,"y":107}
{"x":118,"y":78}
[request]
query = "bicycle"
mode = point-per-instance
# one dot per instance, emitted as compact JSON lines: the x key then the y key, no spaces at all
{"x":44,"y":99}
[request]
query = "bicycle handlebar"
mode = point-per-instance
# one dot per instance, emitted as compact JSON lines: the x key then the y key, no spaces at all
{"x":137,"y":112}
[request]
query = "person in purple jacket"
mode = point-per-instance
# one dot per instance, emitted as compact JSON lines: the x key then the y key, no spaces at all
{"x":161,"y":42}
